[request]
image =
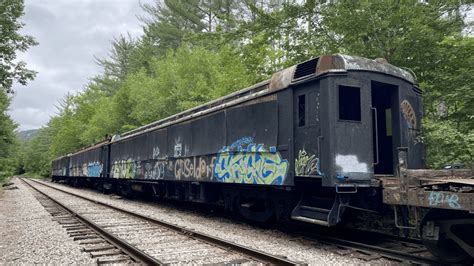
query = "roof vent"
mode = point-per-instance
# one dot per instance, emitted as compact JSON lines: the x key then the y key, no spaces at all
{"x":306,"y":68}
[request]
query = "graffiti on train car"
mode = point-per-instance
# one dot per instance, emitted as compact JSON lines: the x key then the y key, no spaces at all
{"x":240,"y":142}
{"x":307,"y":164}
{"x":409,"y":115}
{"x":254,"y":165}
{"x":199,"y":167}
{"x":178,"y":148}
{"x":156,"y":152}
{"x":73,"y":171}
{"x":151,"y":170}
{"x":94,"y":169}
{"x":438,"y":198}
{"x":123,"y":169}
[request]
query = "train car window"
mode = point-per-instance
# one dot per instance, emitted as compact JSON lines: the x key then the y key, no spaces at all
{"x":349,"y":103}
{"x":301,"y":110}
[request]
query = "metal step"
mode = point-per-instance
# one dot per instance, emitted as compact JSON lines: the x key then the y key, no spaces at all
{"x":311,"y":214}
{"x":314,"y":209}
{"x":321,"y":211}
{"x":310,"y":220}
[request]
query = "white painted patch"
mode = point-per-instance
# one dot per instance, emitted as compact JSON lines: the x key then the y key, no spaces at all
{"x":350,"y":164}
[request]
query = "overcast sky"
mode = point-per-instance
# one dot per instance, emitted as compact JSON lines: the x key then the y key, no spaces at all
{"x":70,"y":34}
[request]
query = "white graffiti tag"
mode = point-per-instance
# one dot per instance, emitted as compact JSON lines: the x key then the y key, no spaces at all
{"x":438,"y":198}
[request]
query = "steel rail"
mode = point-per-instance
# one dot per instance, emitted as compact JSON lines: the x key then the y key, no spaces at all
{"x":250,"y":252}
{"x":383,"y":252}
{"x":353,"y":243}
{"x":134,"y":253}
{"x":342,"y":240}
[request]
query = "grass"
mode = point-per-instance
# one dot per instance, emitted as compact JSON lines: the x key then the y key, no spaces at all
{"x":32,"y":175}
{"x":3,"y":180}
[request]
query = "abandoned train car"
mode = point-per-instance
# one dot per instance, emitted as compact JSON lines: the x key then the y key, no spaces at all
{"x":315,"y":139}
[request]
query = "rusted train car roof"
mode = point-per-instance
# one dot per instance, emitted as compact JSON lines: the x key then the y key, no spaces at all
{"x":311,"y":69}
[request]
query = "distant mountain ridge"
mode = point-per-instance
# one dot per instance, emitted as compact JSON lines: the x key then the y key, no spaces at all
{"x":26,"y":135}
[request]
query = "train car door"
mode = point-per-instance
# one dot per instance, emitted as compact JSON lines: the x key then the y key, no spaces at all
{"x":385,"y":132}
{"x":348,"y":134}
{"x":105,"y":157}
{"x":307,"y":130}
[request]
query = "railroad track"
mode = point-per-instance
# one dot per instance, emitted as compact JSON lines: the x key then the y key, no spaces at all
{"x":343,"y":243}
{"x":116,"y":235}
{"x":373,"y":246}
{"x":98,"y":243}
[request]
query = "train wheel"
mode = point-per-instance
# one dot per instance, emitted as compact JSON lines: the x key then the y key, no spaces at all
{"x":125,"y":190}
{"x":257,"y":210}
{"x":439,"y":238}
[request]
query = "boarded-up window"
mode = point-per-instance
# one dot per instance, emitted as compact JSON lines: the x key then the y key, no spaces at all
{"x":208,"y":134}
{"x":349,"y":103}
{"x":256,"y":122}
{"x":301,"y":110}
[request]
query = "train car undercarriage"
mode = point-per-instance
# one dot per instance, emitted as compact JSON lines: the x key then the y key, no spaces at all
{"x":440,"y":203}
{"x":442,"y":206}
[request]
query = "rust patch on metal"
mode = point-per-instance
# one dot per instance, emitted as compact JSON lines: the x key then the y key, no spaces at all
{"x":329,"y":62}
{"x":282,"y":79}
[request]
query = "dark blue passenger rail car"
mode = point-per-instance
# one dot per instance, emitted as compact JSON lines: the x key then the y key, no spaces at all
{"x":314,"y":140}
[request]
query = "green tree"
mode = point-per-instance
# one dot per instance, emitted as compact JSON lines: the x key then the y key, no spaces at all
{"x":405,"y":33}
{"x":184,"y":79}
{"x":8,"y":142}
{"x":116,"y":66}
{"x":64,"y":129}
{"x":449,"y":108}
{"x":11,"y":70}
{"x":169,"y":21}
{"x":180,"y":80}
{"x":36,"y":157}
{"x":11,"y":42}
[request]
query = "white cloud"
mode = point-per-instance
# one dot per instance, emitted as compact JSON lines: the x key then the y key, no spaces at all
{"x":70,"y":34}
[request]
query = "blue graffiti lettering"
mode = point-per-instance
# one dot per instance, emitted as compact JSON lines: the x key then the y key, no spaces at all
{"x":255,"y":165}
{"x":240,"y":142}
{"x":94,"y":169}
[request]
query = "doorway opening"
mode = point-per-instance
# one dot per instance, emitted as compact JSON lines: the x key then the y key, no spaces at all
{"x":384,"y":105}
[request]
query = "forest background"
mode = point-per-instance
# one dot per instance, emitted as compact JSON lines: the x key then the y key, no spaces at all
{"x":196,"y":50}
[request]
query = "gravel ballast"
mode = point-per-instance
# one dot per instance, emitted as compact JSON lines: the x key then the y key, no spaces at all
{"x":28,"y":235}
{"x":268,"y":240}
